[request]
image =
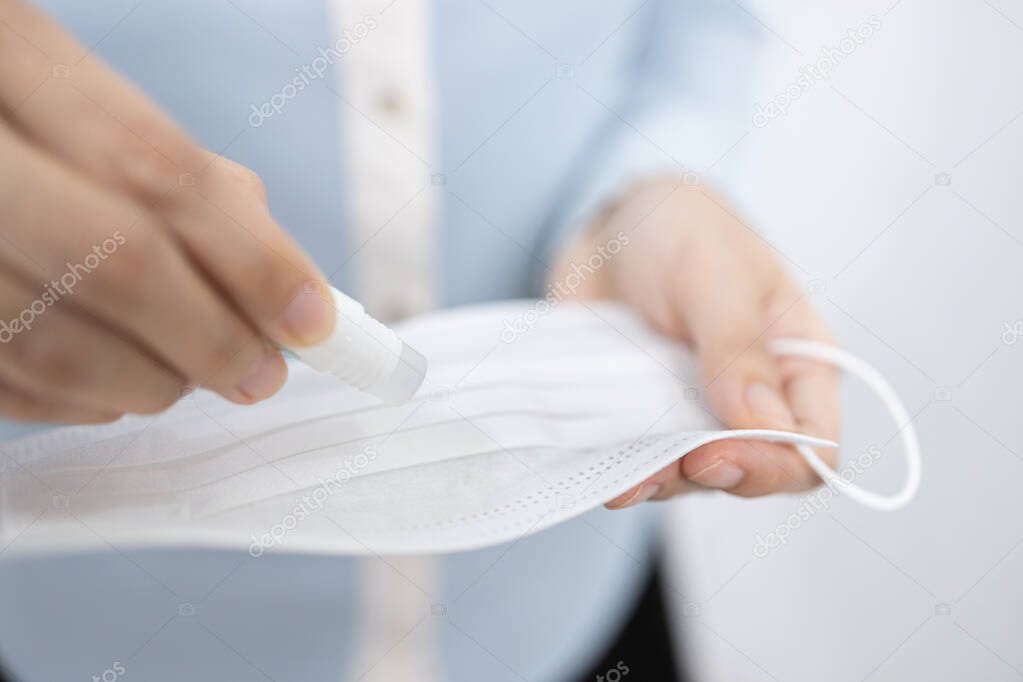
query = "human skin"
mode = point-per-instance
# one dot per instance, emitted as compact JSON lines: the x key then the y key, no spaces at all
{"x":700,"y":274}
{"x":133,"y":263}
{"x":182,"y":278}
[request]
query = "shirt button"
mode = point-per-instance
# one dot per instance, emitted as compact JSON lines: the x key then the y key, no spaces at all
{"x":390,"y":102}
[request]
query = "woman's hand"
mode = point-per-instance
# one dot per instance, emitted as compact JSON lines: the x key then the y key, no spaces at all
{"x":132,"y":262}
{"x":698,"y":274}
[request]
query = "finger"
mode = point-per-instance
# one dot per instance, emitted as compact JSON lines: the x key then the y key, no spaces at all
{"x":761,"y":390}
{"x":129,"y":274}
{"x":666,"y":483}
{"x":744,"y":381}
{"x":811,"y":386}
{"x":70,"y":103}
{"x":765,"y":468}
{"x":730,"y":330}
{"x":58,"y":356}
{"x":224,"y":225}
{"x":131,"y":143}
{"x":21,"y":406}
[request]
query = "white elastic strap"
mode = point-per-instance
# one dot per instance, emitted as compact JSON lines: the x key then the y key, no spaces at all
{"x":873,"y":379}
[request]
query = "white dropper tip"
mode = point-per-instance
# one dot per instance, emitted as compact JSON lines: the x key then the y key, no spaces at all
{"x":403,"y":381}
{"x":365,"y":354}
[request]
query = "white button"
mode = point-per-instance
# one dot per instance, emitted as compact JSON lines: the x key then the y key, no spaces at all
{"x":390,"y":102}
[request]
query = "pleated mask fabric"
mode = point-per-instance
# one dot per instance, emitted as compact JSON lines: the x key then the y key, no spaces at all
{"x":526,"y":419}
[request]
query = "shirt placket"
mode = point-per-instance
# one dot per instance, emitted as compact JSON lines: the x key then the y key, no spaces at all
{"x":388,"y":145}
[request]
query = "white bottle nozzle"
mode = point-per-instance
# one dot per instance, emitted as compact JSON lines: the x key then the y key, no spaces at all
{"x":365,"y":354}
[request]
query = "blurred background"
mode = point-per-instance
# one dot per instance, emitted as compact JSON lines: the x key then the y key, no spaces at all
{"x":892,"y":188}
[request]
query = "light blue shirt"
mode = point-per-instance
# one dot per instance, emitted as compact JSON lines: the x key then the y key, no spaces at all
{"x":546,"y":111}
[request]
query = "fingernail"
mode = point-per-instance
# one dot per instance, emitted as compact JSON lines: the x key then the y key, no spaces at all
{"x":765,"y":402}
{"x":308,"y":318}
{"x":264,"y":378}
{"x":640,"y":494}
{"x":721,"y":475}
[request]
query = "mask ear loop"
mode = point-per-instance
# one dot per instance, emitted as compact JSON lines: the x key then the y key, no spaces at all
{"x":873,"y":379}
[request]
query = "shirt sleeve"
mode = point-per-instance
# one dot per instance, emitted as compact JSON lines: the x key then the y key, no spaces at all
{"x":685,"y":109}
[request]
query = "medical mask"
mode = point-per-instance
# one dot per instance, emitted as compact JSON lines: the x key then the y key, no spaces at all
{"x":511,"y":433}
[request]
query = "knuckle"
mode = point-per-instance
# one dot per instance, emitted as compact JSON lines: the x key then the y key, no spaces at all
{"x":251,"y":181}
{"x":148,"y":170}
{"x":226,"y":175}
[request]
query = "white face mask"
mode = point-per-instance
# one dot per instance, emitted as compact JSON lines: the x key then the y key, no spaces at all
{"x":526,"y":419}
